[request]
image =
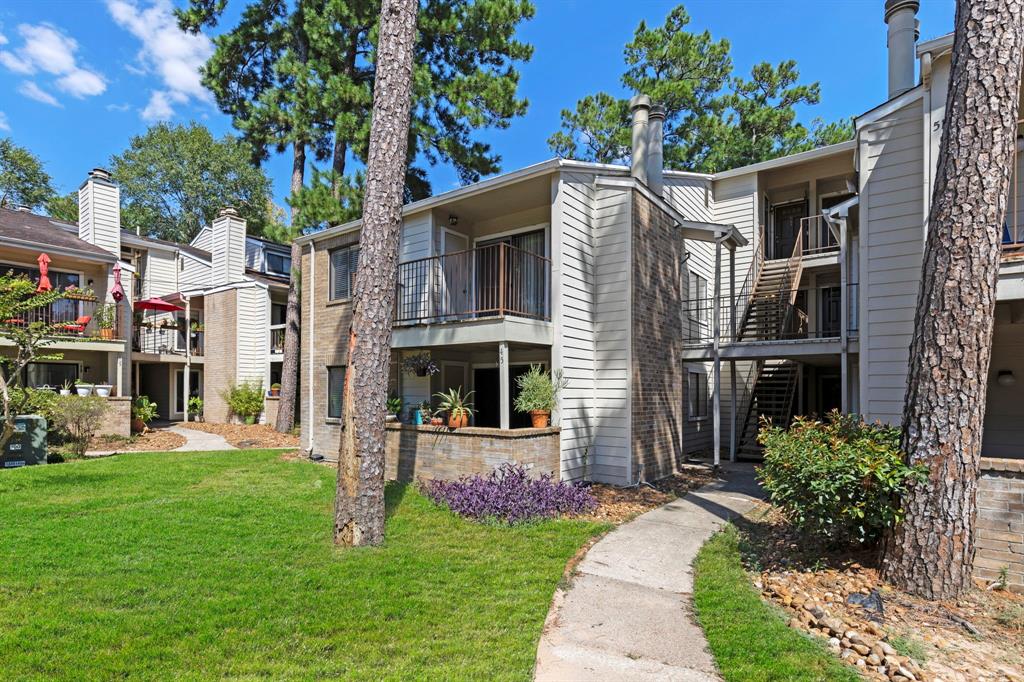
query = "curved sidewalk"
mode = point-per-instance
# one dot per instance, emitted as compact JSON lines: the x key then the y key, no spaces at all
{"x":627,"y":614}
{"x":199,"y":441}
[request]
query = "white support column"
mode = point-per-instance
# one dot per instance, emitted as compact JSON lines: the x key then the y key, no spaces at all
{"x":732,"y":294}
{"x":844,"y":317}
{"x":187,"y":374}
{"x":732,"y":411}
{"x":503,"y":388}
{"x":716,"y":325}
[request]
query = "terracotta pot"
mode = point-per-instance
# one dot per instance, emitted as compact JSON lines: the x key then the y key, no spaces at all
{"x":540,"y":418}
{"x":458,"y":422}
{"x":106,"y":334}
{"x":274,"y":392}
{"x":138,"y":426}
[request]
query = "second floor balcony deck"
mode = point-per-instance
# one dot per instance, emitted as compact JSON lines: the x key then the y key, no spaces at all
{"x":79,"y":316}
{"x":493,"y":281}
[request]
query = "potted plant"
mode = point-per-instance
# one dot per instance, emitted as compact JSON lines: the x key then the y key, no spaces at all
{"x":66,"y":387}
{"x":457,"y":406}
{"x":394,"y":408}
{"x":143,"y":412}
{"x":538,"y":394}
{"x":275,"y":390}
{"x":83,"y":388}
{"x":195,"y":408}
{"x":198,"y":327}
{"x":420,"y":414}
{"x":103,"y":390}
{"x":105,"y":316}
{"x":420,"y":365}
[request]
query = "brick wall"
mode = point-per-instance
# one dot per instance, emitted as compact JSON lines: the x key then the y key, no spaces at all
{"x":1000,"y":534}
{"x":330,"y":330}
{"x":426,"y":452}
{"x":657,"y":372}
{"x":219,"y":363}
{"x":271,"y":404}
{"x":117,"y":420}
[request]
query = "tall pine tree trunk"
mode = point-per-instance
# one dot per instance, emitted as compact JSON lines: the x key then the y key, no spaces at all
{"x":290,"y":362}
{"x":931,"y":553}
{"x":293,"y":321}
{"x":359,"y":501}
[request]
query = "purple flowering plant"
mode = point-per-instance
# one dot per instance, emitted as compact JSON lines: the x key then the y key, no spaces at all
{"x":509,"y":495}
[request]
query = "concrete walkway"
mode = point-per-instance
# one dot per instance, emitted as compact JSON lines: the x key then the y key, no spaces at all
{"x":196,"y":441}
{"x":628,"y":614}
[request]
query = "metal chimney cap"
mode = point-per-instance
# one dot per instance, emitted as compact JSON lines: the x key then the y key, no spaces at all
{"x":228,"y":212}
{"x":657,"y":111}
{"x":639,"y":102}
{"x":893,"y":6}
{"x":99,"y":174}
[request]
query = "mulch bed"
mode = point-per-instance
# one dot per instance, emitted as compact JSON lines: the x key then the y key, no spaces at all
{"x":618,"y":505}
{"x":140,"y":442}
{"x":979,"y":637}
{"x":247,"y":436}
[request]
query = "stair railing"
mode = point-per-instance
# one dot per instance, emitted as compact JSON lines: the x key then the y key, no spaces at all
{"x":789,"y":285}
{"x":741,"y":305}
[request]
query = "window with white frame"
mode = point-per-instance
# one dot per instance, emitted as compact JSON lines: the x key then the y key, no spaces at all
{"x":277,"y":263}
{"x":343,"y":272}
{"x":697,"y":388}
{"x":699,"y":305}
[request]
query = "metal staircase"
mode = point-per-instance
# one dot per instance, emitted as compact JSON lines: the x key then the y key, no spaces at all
{"x":769,"y":312}
{"x":772,"y":397}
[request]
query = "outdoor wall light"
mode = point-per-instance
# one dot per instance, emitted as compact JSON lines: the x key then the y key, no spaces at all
{"x":453,"y":220}
{"x":1006,"y":378}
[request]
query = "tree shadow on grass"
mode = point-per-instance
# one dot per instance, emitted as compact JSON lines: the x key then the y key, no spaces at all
{"x":394,"y":493}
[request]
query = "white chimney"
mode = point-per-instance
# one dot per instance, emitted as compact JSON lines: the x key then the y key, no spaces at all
{"x":99,"y":212}
{"x":655,"y":149}
{"x":228,"y":247}
{"x":639,"y":108}
{"x":900,"y":15}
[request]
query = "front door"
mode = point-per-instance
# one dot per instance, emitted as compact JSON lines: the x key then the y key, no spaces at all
{"x":486,"y":397}
{"x":829,"y":311}
{"x":786,"y":228}
{"x":456,"y":276}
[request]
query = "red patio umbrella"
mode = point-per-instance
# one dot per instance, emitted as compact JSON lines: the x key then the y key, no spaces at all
{"x":44,"y":269}
{"x":156,"y":304}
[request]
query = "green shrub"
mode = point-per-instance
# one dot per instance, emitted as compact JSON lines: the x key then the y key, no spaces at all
{"x":245,"y":399}
{"x":839,"y":480}
{"x":80,"y":416}
{"x":538,"y":389}
{"x":195,"y":406}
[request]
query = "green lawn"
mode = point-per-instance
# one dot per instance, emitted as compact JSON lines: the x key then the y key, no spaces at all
{"x":200,"y":565}
{"x":750,"y":639}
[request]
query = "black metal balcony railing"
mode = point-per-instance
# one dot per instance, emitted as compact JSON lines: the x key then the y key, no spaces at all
{"x":78,"y":316}
{"x":490,"y":281}
{"x":163,"y":338}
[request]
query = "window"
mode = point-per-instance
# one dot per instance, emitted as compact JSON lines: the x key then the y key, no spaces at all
{"x":278,"y":313}
{"x":343,"y":272}
{"x":335,"y":391}
{"x":697,"y":383}
{"x":278,"y":264}
{"x":699,"y":304}
{"x":53,"y":374}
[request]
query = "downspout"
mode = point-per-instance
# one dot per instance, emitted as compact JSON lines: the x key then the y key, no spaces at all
{"x":185,"y":388}
{"x":716,"y":332}
{"x":312,"y":323}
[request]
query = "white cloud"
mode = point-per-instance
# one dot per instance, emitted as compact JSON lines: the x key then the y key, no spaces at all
{"x":167,"y":51}
{"x":45,"y":49}
{"x":119,"y":107}
{"x":3,"y":39}
{"x":4,"y":124}
{"x":31,"y":90}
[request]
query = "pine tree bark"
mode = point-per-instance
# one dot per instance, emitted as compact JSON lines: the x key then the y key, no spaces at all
{"x":931,"y":553}
{"x":359,"y":501}
{"x":292,"y":348}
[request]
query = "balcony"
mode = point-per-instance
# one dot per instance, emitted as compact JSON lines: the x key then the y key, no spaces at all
{"x":493,"y":281}
{"x":277,"y":339}
{"x":79,"y":316}
{"x":167,"y":337}
{"x":819,"y":237}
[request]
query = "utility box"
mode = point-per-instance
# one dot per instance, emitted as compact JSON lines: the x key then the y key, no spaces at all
{"x":28,"y":444}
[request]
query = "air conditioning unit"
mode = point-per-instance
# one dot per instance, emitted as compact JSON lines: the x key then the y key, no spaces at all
{"x":28,"y":444}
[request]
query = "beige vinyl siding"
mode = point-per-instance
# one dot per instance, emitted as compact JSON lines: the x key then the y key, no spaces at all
{"x":203,"y":240}
{"x":416,"y":238}
{"x":891,"y":242}
{"x":613,"y":457}
{"x":572,"y":244}
{"x":194,"y":274}
{"x":254,"y":255}
{"x":100,"y":215}
{"x":253,"y":321}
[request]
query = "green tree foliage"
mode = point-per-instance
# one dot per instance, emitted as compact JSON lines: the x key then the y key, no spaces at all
{"x":175,"y":178}
{"x":303,"y":73}
{"x":63,"y":207}
{"x":713,"y":120}
{"x":23,"y":182}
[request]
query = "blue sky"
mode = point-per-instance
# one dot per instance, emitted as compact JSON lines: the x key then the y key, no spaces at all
{"x":78,"y":78}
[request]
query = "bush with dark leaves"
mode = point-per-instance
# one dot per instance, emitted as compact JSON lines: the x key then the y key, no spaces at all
{"x":509,"y":495}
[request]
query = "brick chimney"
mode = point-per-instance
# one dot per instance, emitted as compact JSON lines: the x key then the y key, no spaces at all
{"x":228,"y":247}
{"x":99,"y":212}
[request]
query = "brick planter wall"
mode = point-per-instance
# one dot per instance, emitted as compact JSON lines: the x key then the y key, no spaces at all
{"x":118,"y":419}
{"x":1000,"y":538}
{"x":432,"y":452}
